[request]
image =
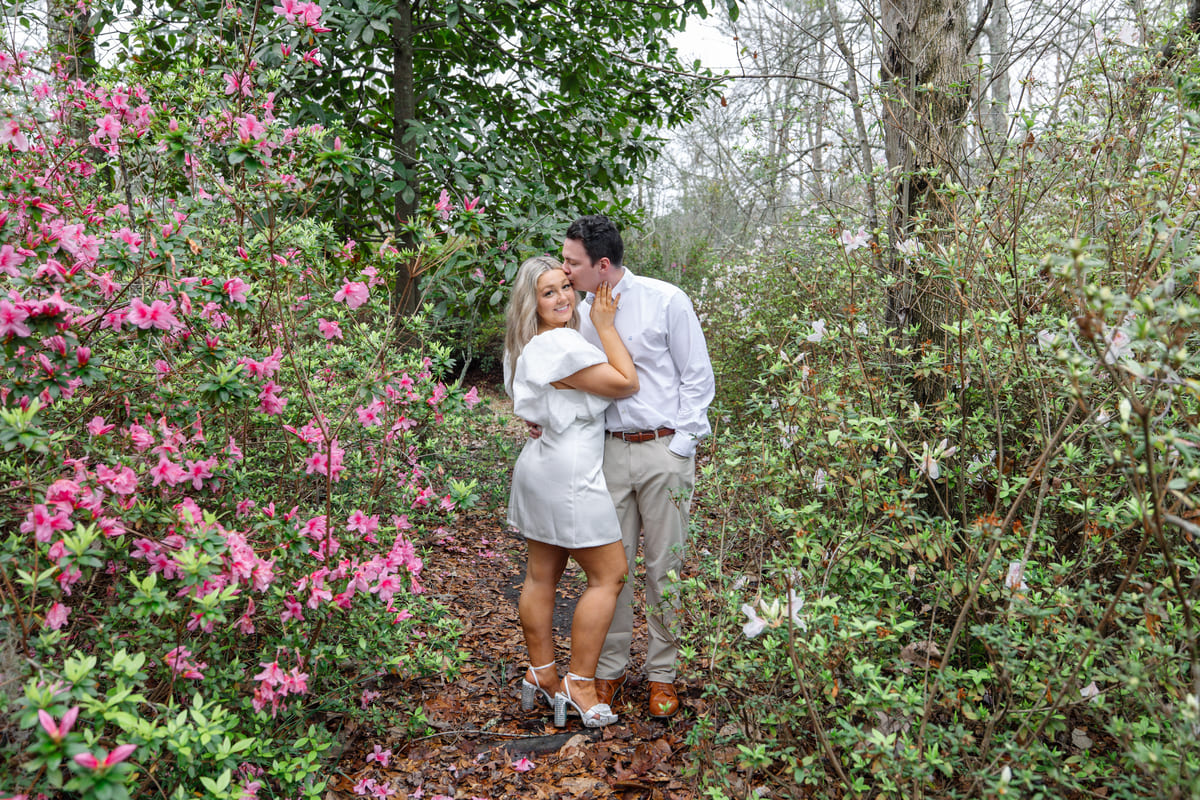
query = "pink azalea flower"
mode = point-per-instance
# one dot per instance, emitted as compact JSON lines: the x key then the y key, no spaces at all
{"x":11,"y":133}
{"x":471,"y":398}
{"x":296,"y":681}
{"x":56,"y":617}
{"x":122,"y":481}
{"x":179,"y":660}
{"x":330,"y":330}
{"x":10,"y":260}
{"x":166,"y":471}
{"x":355,"y":293}
{"x":58,"y":732}
{"x":272,"y":675}
{"x":360,"y":522}
{"x":380,"y":755}
{"x":236,"y":288}
{"x":142,"y":438}
{"x":523,"y":764}
{"x":240,"y":83}
{"x":12,"y":320}
{"x":156,"y":315}
{"x":443,"y":205}
{"x":42,"y":523}
{"x":269,"y":400}
{"x":198,"y":471}
{"x":95,"y":764}
{"x":369,"y":415}
{"x":291,"y":610}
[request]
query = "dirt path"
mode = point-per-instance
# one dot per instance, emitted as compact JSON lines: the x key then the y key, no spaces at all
{"x":480,"y":730}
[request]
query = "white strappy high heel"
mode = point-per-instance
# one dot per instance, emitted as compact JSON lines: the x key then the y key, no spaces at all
{"x":530,"y":691}
{"x":597,"y":716}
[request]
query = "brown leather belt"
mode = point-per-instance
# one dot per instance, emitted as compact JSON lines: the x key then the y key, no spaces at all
{"x":642,"y":436}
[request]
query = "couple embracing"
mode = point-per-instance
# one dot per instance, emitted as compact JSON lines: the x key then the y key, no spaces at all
{"x":617,"y":400}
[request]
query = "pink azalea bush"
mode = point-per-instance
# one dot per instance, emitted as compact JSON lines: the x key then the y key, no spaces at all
{"x":216,"y":458}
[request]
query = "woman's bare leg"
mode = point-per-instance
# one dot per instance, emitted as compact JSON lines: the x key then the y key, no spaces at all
{"x":544,"y":565}
{"x":606,"y":568}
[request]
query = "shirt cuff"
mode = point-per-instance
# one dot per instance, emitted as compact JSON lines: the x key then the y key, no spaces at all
{"x":682,"y":445}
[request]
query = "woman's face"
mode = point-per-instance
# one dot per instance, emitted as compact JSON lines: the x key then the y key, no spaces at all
{"x":555,"y":299}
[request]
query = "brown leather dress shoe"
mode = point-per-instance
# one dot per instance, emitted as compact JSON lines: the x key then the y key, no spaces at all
{"x":664,"y":702}
{"x":608,"y":689}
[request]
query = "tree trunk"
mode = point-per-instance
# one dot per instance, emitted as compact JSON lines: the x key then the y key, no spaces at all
{"x":927,"y":94}
{"x":404,"y":160}
{"x":997,"y":33}
{"x":68,"y":35}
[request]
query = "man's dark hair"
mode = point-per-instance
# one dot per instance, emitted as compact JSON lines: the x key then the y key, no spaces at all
{"x":600,"y":238}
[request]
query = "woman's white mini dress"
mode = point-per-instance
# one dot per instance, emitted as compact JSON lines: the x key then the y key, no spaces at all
{"x":558,"y":491}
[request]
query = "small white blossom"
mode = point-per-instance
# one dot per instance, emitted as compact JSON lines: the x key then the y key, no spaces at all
{"x":1119,"y":345}
{"x":1045,"y":340}
{"x":818,"y":480}
{"x":818,"y":331}
{"x":928,"y":463}
{"x":1015,"y":579}
{"x":909,"y":248}
{"x":755,"y":624}
{"x":853,"y":241}
{"x":1091,"y":692}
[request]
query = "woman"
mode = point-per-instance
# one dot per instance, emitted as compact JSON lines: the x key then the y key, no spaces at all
{"x":559,"y":500}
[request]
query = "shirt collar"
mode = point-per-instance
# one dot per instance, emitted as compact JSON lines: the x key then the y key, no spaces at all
{"x":624,"y":284}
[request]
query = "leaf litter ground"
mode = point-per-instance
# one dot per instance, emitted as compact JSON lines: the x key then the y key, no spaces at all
{"x":479,"y":730}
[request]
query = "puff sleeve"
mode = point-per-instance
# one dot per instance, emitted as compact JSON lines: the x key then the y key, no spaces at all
{"x":549,"y":357}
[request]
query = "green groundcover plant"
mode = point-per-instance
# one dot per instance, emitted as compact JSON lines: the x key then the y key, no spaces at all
{"x":215,"y":439}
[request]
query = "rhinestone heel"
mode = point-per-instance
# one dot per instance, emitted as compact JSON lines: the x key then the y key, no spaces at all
{"x":597,"y":716}
{"x":530,"y":691}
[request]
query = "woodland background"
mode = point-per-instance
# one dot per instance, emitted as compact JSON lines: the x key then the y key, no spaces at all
{"x":945,"y":257}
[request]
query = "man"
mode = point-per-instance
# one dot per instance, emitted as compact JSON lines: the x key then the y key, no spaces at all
{"x":650,"y":444}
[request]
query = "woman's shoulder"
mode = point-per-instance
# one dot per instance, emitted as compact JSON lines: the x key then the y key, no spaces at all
{"x":559,"y":338}
{"x":557,"y":353}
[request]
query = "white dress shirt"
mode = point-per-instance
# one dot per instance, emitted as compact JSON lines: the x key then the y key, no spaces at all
{"x":662,"y":333}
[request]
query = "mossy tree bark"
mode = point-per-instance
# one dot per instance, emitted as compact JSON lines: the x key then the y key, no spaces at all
{"x":926,"y":96}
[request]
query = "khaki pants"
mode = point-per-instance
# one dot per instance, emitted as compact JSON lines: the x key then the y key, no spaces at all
{"x":652,"y":490}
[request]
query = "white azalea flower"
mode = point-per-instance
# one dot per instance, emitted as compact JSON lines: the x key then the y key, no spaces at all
{"x":853,"y":241}
{"x":795,"y":603}
{"x":755,"y":624}
{"x":1119,"y":345}
{"x":928,"y":463}
{"x":818,"y":331}
{"x":1015,"y":579}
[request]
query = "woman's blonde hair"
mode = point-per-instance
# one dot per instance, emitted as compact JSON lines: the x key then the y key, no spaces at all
{"x":520,"y":318}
